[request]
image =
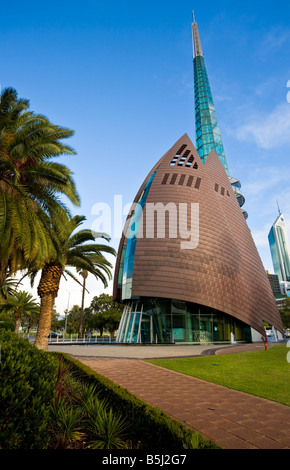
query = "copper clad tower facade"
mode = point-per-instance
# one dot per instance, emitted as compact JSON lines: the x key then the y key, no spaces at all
{"x":187,"y":268}
{"x":194,"y":273}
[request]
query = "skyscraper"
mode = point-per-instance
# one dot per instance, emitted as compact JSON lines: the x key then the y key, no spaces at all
{"x":207,"y":131}
{"x":279,"y":246}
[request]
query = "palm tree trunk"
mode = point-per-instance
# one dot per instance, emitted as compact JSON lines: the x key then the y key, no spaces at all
{"x":47,"y":290}
{"x":44,"y":324}
{"x":17,"y":322}
{"x":3,"y":271}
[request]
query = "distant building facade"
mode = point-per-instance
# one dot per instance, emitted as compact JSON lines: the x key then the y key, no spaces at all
{"x":278,"y":292}
{"x":274,"y":282}
{"x":280,"y":252}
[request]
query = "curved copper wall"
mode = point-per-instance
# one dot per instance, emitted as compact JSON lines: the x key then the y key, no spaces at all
{"x":224,"y":271}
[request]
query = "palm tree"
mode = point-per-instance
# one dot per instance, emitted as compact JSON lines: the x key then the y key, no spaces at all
{"x":31,"y":185}
{"x":78,"y":252}
{"x":19,"y":303}
{"x":8,"y":286}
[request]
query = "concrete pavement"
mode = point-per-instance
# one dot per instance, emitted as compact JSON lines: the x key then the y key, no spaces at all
{"x":150,"y":351}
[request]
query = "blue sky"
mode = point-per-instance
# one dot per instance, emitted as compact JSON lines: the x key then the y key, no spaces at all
{"x":120,"y":74}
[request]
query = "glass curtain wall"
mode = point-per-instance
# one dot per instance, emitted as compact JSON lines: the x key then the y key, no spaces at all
{"x":173,"y":321}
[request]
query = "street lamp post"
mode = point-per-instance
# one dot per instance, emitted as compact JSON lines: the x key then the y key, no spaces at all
{"x":67,"y":310}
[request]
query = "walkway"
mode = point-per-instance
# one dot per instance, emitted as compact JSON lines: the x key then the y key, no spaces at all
{"x":234,"y":420}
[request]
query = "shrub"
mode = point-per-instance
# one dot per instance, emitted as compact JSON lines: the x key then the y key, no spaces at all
{"x":27,"y":383}
{"x":6,"y":322}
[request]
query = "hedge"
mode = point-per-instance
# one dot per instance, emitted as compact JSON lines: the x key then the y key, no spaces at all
{"x":148,"y":424}
{"x":27,"y":387}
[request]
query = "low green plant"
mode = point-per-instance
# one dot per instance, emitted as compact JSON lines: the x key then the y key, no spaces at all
{"x":67,"y":425}
{"x":108,"y":431}
{"x":79,"y":418}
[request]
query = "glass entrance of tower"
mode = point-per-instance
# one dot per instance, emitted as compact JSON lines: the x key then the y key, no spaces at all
{"x":162,"y":321}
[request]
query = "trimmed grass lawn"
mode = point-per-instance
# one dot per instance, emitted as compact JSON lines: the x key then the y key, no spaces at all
{"x":262,"y":373}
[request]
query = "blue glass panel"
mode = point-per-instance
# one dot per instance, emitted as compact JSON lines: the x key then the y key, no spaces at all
{"x":219,"y":149}
{"x":199,"y":142}
{"x":132,"y":240}
{"x":208,"y":138}
{"x":284,"y":253}
{"x":275,"y":254}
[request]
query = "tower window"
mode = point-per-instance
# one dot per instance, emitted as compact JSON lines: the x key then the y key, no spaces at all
{"x":181,"y":150}
{"x":197,"y":183}
{"x":181,"y":180}
{"x":177,"y":155}
{"x":173,"y":179}
{"x":189,"y":181}
{"x":190,"y":161}
{"x":165,"y":178}
{"x":174,"y":160}
{"x":183,"y":158}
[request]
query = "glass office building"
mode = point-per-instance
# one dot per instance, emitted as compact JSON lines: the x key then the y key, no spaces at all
{"x":279,"y":246}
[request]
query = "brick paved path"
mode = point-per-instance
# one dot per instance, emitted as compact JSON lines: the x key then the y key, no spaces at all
{"x":234,"y":420}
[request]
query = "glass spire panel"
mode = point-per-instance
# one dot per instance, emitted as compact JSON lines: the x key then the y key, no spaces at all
{"x":209,"y":137}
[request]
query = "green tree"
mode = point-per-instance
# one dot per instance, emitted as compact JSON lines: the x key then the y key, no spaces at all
{"x":104,"y":302}
{"x":31,"y":185}
{"x":73,"y":319}
{"x":77,"y":251}
{"x":105,"y":313}
{"x":285,"y":313}
{"x":20,"y":303}
{"x":98,"y":322}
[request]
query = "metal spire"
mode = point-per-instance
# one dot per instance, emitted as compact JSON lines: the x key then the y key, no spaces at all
{"x":197,"y":50}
